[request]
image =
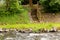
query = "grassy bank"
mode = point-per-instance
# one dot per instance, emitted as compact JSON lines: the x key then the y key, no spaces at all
{"x":15,"y":18}
{"x":34,"y":26}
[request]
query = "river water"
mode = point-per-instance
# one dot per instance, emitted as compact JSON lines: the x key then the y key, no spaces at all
{"x":29,"y":36}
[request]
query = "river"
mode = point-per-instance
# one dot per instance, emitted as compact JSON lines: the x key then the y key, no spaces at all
{"x":29,"y":36}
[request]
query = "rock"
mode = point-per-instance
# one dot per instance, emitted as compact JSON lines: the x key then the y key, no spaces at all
{"x":33,"y":34}
{"x":48,"y":30}
{"x":22,"y":31}
{"x":8,"y":38}
{"x":25,"y":31}
{"x":42,"y":30}
{"x":5,"y":30}
{"x":44,"y":39}
{"x":1,"y":30}
{"x":53,"y":29}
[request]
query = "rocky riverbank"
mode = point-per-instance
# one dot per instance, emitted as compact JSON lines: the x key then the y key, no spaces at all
{"x":29,"y":30}
{"x":29,"y":36}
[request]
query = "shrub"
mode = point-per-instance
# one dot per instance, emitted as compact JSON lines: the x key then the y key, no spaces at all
{"x":14,"y":6}
{"x":13,"y":13}
{"x":50,"y":5}
{"x":11,"y":7}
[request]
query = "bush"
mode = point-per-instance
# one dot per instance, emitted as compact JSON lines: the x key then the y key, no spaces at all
{"x":14,"y":6}
{"x":10,"y":8}
{"x":50,"y":5}
{"x":13,"y":14}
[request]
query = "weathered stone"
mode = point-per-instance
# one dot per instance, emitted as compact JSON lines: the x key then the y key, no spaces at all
{"x":9,"y":38}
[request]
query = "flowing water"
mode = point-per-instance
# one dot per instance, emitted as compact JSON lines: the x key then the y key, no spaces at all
{"x":29,"y":36}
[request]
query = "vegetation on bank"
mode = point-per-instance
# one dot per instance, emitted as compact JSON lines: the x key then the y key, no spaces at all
{"x":50,"y":5}
{"x":33,"y":26}
{"x":15,"y":19}
{"x":12,"y":12}
{"x":14,"y":16}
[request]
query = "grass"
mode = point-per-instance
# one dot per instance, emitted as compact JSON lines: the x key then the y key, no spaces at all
{"x":16,"y":18}
{"x":34,"y":26}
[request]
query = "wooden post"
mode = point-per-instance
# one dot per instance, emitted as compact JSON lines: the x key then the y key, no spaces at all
{"x":31,"y":4}
{"x":31,"y":7}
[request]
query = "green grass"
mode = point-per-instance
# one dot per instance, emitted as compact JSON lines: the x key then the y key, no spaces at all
{"x":34,"y":26}
{"x":16,"y":18}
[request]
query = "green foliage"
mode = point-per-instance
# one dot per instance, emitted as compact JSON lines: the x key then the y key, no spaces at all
{"x":14,"y":6}
{"x":15,"y":19}
{"x":11,"y":7}
{"x":12,"y":13}
{"x":51,"y":5}
{"x":33,"y":26}
{"x":3,"y":11}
